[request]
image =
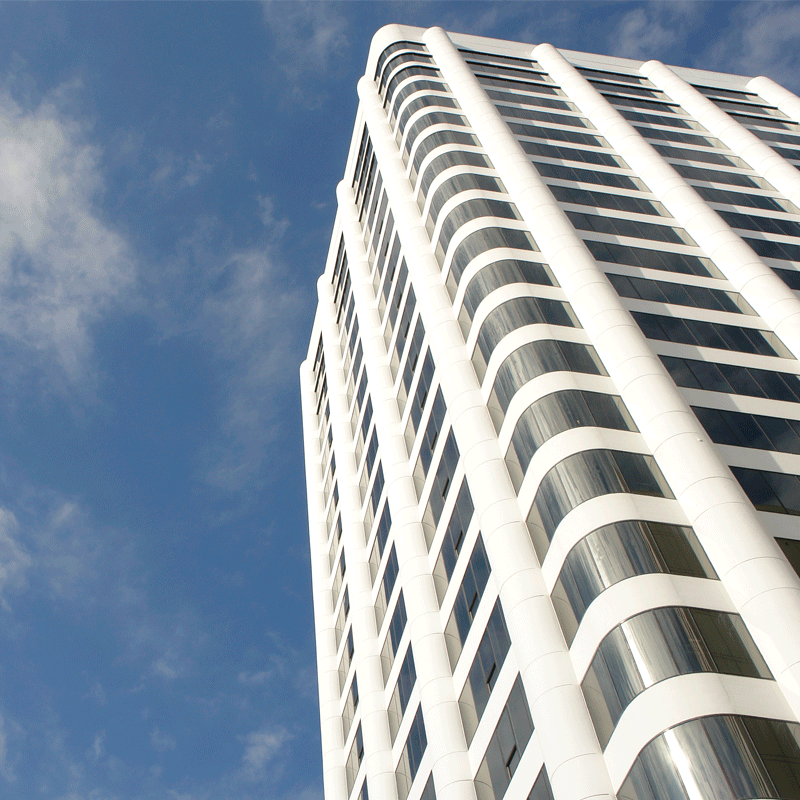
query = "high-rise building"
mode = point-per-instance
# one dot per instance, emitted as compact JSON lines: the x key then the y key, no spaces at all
{"x":552,"y":426}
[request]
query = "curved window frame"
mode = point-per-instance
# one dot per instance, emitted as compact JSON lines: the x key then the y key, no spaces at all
{"x":659,"y":644}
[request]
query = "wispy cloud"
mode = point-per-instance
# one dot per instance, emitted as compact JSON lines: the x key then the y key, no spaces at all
{"x":62,"y":264}
{"x":306,"y":38}
{"x":653,"y":30}
{"x":261,"y":748}
{"x":252,"y":317}
{"x":162,"y":742}
{"x":761,"y":39}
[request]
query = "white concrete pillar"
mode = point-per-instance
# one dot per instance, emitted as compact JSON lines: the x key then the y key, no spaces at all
{"x":446,"y":742}
{"x":776,"y":95}
{"x":333,"y":777}
{"x":745,"y":144}
{"x":761,"y":583}
{"x":751,"y":277}
{"x":574,"y":761}
{"x":378,"y":764}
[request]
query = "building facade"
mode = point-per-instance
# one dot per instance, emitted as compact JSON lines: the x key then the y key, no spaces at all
{"x":552,"y":428}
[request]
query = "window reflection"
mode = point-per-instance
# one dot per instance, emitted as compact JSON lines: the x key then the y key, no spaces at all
{"x":660,"y":644}
{"x":615,"y":552}
{"x":718,"y":758}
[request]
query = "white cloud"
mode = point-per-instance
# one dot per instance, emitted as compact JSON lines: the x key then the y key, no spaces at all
{"x":62,"y":265}
{"x":98,"y":748}
{"x":15,"y":560}
{"x":261,"y":748}
{"x":253,"y":322}
{"x":306,"y":38}
{"x":653,"y":30}
{"x":254,"y":678}
{"x":162,"y":742}
{"x":176,"y":171}
{"x":761,"y":39}
{"x":97,"y":694}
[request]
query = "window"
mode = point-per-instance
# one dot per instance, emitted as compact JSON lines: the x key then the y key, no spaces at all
{"x":650,"y":259}
{"x":618,"y":551}
{"x":538,"y":358}
{"x":467,"y":600}
{"x":484,"y":671}
{"x":411,"y":756}
{"x":750,"y":430}
{"x":628,"y":227}
{"x":707,"y":334}
{"x":732,"y":379}
{"x":453,"y":540}
{"x":406,"y":679}
{"x":659,"y":644}
{"x":585,"y":475}
{"x":440,"y":486}
{"x":770,"y":491}
{"x":518,"y":312}
{"x":556,"y":413}
{"x":507,"y":744}
{"x":745,"y":757}
{"x":679,"y":294}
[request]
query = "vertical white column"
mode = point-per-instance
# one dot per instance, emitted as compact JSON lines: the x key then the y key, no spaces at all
{"x":333,"y":778}
{"x":775,"y":303}
{"x":451,"y":767}
{"x":574,"y":761}
{"x":761,"y":583}
{"x":374,"y":719}
{"x":762,"y":158}
{"x":776,"y":95}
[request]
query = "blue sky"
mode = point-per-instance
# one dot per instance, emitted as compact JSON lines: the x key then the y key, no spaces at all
{"x":167,"y":177}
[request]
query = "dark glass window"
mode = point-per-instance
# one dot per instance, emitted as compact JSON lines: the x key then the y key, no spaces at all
{"x":649,"y":259}
{"x":556,"y":134}
{"x":660,"y":644}
{"x":518,"y":312}
{"x":633,"y":228}
{"x":566,"y":173}
{"x":434,"y":118}
{"x":679,"y":294}
{"x":556,"y":413}
{"x":529,"y":113}
{"x":770,"y":491}
{"x":732,"y":379}
{"x":507,"y":744}
{"x":470,"y":210}
{"x":582,"y":476}
{"x":406,"y":679}
{"x":791,"y":549}
{"x":705,"y":334}
{"x":739,"y":199}
{"x":467,"y":601}
{"x":619,"y":202}
{"x":541,"y":788}
{"x":750,"y":430}
{"x":443,"y":479}
{"x":484,"y":671}
{"x":548,"y":150}
{"x":482,"y":241}
{"x":688,"y":154}
{"x":537,"y":358}
{"x":714,"y":175}
{"x":412,"y":754}
{"x":742,"y":757}
{"x":503,"y":273}
{"x":453,"y":540}
{"x":618,"y":551}
{"x":461,"y":183}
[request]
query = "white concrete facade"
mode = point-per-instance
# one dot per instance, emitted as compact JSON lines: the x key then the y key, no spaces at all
{"x":552,"y":426}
